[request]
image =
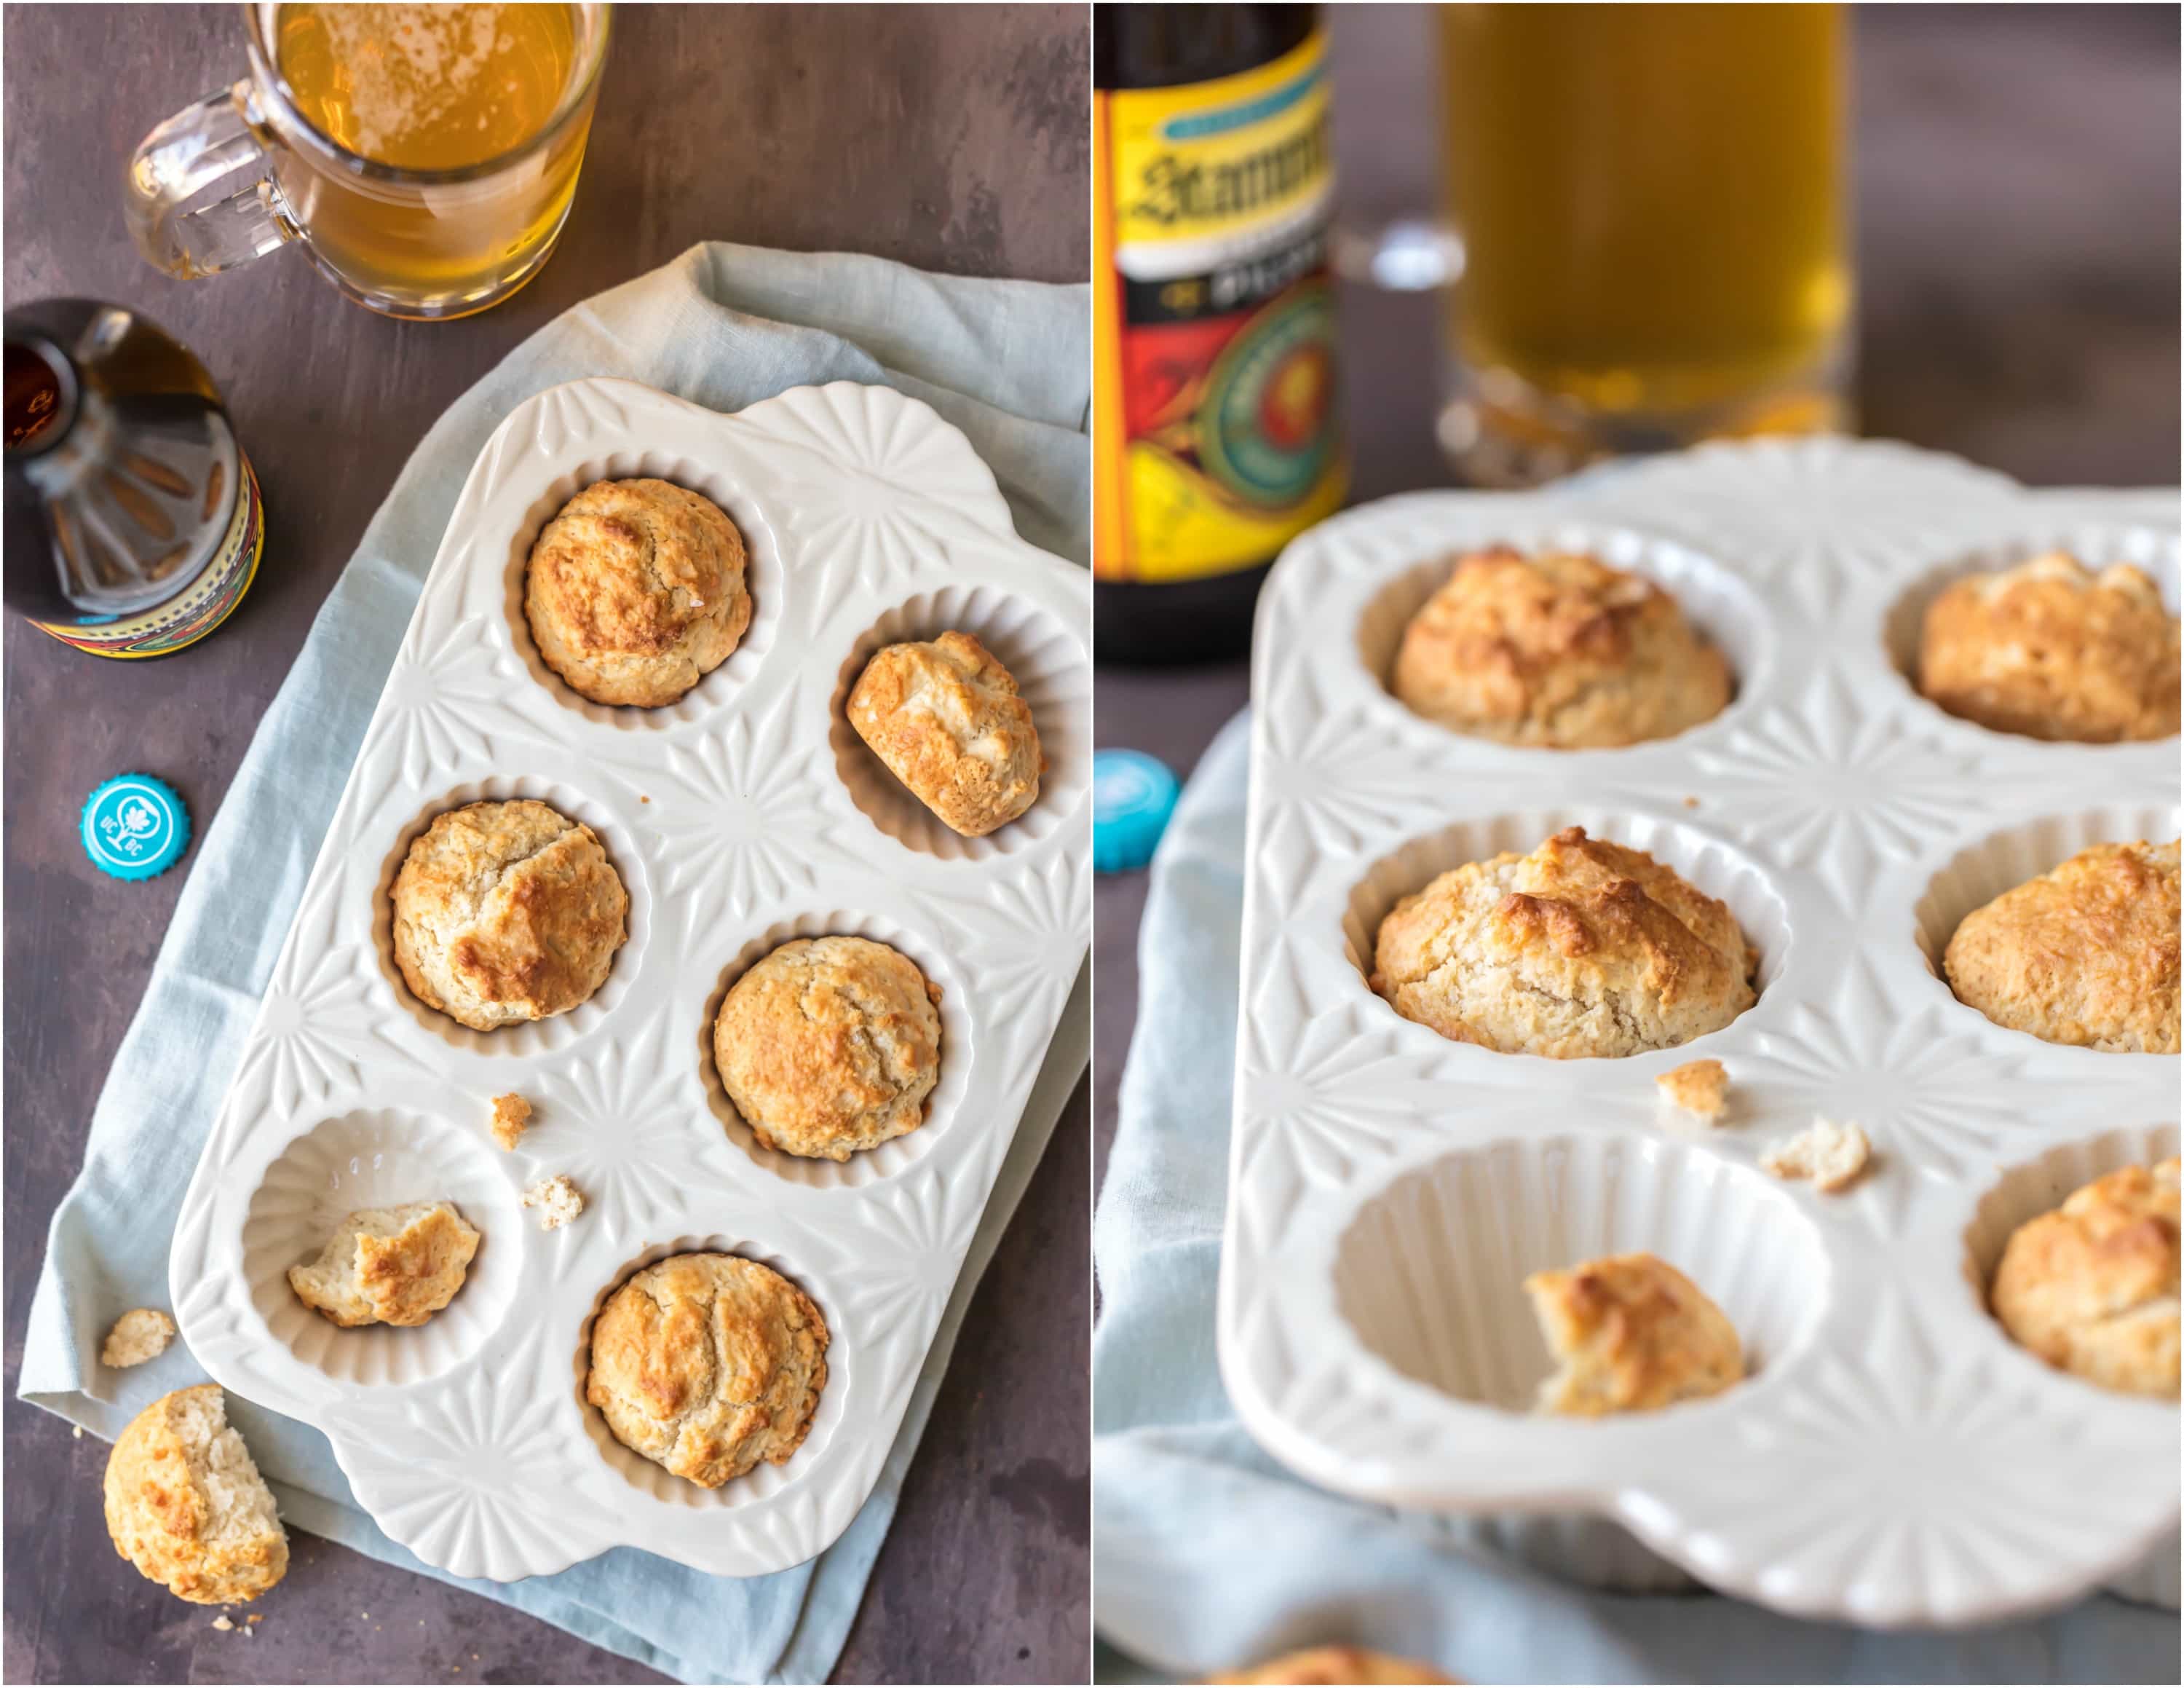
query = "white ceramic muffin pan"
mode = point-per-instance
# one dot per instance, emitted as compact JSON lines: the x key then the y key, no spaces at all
{"x":1895,"y":1459}
{"x":739,"y":817}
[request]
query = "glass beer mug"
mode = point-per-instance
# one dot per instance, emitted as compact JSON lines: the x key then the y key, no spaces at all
{"x":424,"y":156}
{"x":1651,"y":202}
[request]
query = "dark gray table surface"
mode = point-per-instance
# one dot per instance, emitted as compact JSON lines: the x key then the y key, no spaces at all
{"x":2016,"y":171}
{"x":952,"y":139}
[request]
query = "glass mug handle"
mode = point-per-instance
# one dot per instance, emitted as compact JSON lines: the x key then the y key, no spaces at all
{"x":176,"y":162}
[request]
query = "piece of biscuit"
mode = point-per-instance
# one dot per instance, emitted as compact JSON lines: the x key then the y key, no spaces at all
{"x":1582,"y":947}
{"x":394,"y":1266}
{"x":830,"y":1045}
{"x":1700,"y":1088}
{"x":511,"y":1116}
{"x":557,"y":1199}
{"x":1632,"y":1335}
{"x":1337,"y":1664}
{"x":2051,"y":649}
{"x":506,"y":911}
{"x":186,"y":1505}
{"x":945,"y":718}
{"x":2091,"y":1286}
{"x":140,"y":1334}
{"x":707,"y":1364}
{"x":2085,"y":954}
{"x":1558,"y":650}
{"x":635,"y":591}
{"x":1832,"y":1156}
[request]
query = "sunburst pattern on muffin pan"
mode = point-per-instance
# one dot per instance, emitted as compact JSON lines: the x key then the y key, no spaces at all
{"x":731,"y":817}
{"x":1894,"y":1459}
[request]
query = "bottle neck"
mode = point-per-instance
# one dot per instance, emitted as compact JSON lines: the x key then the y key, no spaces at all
{"x":42,"y":398}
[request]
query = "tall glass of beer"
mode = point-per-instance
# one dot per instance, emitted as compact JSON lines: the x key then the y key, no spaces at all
{"x":1650,"y":199}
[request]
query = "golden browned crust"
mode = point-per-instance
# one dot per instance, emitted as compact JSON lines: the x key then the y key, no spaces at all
{"x":2051,"y":649}
{"x":1632,"y":1334}
{"x":2092,"y":1287}
{"x":1700,"y":1088}
{"x":392,"y":1265}
{"x":141,"y":1333}
{"x":1337,"y":1665}
{"x":511,"y":1117}
{"x":186,"y":1505}
{"x":1582,"y":947}
{"x":707,"y":1364}
{"x":635,"y":591}
{"x":507,"y":912}
{"x":2086,"y":953}
{"x":830,"y":1045}
{"x":945,"y":718}
{"x":1558,"y":650}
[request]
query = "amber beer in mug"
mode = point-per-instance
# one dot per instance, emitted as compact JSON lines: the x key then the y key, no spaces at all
{"x":424,"y":156}
{"x":1651,"y":204}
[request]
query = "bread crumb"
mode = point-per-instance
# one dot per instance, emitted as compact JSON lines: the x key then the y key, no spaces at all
{"x":141,"y":1333}
{"x":1700,"y":1088}
{"x":1691,"y":802}
{"x":557,"y":1199}
{"x":255,"y":1617}
{"x":511,"y":1114}
{"x":76,"y":1431}
{"x":1831,"y":1155}
{"x":222,"y":1623}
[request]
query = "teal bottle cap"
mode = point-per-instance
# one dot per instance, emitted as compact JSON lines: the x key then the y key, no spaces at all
{"x":135,"y":827}
{"x":1133,"y":796}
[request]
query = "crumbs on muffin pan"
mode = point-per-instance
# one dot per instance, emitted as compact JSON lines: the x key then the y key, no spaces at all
{"x":511,"y":1114}
{"x":557,"y":1199}
{"x":1700,"y":1088}
{"x":1830,"y":1156}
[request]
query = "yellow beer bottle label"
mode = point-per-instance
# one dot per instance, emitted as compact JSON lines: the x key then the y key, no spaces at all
{"x":1217,"y":437}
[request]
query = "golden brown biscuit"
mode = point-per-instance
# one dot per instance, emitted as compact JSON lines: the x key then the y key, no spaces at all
{"x":1558,"y":650}
{"x":945,"y":718}
{"x":141,"y":1333}
{"x":1632,"y":1334}
{"x":186,"y":1505}
{"x":707,"y":1364}
{"x":830,"y":1045}
{"x":2086,"y":953}
{"x":635,"y":591}
{"x":2051,"y":649}
{"x":2092,"y":1287}
{"x":1700,"y":1088}
{"x":1334,"y":1665}
{"x":1582,"y":947}
{"x":392,"y":1265}
{"x":507,"y":912}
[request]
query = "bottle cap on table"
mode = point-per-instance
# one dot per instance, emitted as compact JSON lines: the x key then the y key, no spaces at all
{"x":134,"y":826}
{"x":1133,"y":796}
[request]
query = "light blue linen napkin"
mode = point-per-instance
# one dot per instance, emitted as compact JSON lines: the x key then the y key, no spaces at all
{"x":725,"y":325}
{"x":1211,"y":1555}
